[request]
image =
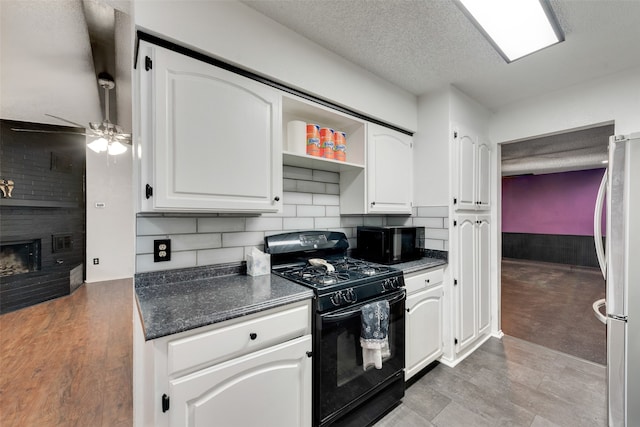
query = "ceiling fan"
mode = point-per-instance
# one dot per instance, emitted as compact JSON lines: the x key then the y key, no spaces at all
{"x":109,"y":136}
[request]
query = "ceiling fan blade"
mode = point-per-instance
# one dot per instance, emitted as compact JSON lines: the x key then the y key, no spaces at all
{"x":48,"y":131}
{"x":65,"y":120}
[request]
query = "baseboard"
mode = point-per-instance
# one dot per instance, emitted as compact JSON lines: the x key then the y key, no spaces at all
{"x":452,"y":363}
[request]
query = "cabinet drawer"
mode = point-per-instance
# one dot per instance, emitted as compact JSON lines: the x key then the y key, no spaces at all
{"x":239,"y":338}
{"x":419,"y":281}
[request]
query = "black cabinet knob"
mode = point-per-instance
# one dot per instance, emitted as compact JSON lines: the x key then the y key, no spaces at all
{"x":253,"y":335}
{"x":277,"y":198}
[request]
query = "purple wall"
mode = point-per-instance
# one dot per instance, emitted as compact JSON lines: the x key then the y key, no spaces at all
{"x":557,"y":203}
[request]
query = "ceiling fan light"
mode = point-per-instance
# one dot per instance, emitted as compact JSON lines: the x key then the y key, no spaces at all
{"x":99,"y":145}
{"x":116,"y":148}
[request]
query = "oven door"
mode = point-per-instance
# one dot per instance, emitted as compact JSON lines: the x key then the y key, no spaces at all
{"x":339,"y":378}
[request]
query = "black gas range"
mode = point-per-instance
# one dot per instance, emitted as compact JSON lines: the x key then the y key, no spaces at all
{"x":342,"y":281}
{"x":344,"y":393}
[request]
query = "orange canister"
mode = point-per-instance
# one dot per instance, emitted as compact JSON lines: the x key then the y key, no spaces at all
{"x":313,"y":140}
{"x":340,"y":147}
{"x":327,"y":143}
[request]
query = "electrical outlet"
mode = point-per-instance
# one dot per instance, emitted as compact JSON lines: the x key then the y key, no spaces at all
{"x":96,"y":261}
{"x":162,"y":250}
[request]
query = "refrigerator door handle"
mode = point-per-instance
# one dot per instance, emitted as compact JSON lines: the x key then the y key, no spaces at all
{"x":596,"y":310}
{"x":597,"y":225}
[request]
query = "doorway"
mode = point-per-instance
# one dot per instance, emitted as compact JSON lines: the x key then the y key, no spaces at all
{"x":550,"y":276}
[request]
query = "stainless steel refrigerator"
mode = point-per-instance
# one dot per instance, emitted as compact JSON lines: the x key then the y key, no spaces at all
{"x":620,"y":264}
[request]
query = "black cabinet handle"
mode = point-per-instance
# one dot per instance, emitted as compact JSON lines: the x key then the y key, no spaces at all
{"x":277,"y":198}
{"x":253,"y":335}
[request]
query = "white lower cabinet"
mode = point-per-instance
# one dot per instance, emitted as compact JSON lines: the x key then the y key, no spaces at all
{"x":424,"y":320}
{"x":249,"y":371}
{"x":271,"y":387}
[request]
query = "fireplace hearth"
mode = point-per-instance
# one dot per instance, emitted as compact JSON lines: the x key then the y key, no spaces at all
{"x":42,"y":213}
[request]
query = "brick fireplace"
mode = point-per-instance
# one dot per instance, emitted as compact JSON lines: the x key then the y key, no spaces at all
{"x":42,"y":213}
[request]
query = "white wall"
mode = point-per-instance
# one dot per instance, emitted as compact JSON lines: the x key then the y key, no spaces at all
{"x":469,"y":113}
{"x":431,"y":150}
{"x":238,"y":34}
{"x":611,"y":98}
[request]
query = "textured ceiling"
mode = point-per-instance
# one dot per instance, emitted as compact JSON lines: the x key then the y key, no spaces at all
{"x":424,"y":45}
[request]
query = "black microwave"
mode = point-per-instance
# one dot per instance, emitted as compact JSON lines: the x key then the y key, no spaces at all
{"x":390,"y":245}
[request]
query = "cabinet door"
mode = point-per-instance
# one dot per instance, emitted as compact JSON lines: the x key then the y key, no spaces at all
{"x":465,"y":145}
{"x":483,"y":248}
{"x":269,"y":388}
{"x":389,"y":170}
{"x":483,"y":154}
{"x":424,"y":329}
{"x":216,"y":137}
{"x":465,"y":288}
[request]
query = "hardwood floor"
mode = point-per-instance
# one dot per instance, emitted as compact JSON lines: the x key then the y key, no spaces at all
{"x":508,"y":382}
{"x":550,"y":304}
{"x":68,"y":361}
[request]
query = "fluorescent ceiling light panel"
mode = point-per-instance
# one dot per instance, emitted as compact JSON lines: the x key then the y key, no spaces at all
{"x":516,"y":28}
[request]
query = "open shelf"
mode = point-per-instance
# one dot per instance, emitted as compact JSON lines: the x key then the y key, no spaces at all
{"x":319,"y":163}
{"x":294,"y":108}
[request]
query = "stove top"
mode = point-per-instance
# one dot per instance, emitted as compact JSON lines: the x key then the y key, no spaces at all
{"x":345,"y":270}
{"x":317,"y":259}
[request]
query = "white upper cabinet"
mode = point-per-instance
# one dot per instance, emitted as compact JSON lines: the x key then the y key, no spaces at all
{"x":473,"y":162}
{"x":390,"y":170}
{"x":210,"y":139}
{"x":387,"y":185}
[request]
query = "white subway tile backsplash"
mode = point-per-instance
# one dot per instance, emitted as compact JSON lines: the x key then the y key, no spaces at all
{"x":311,"y":201}
{"x":351,"y":221}
{"x":297,"y":224}
{"x":246,"y":238}
{"x":294,"y":198}
{"x":185,"y":259}
{"x":399,"y":220}
{"x":434,"y":244}
{"x":161,"y":225}
{"x":297,"y":173}
{"x":433,"y":211}
{"x":263,"y":224}
{"x":289,"y":184}
{"x":310,"y":210}
{"x":327,"y":222}
{"x":332,"y":189}
{"x":332,"y":210}
{"x":221,"y":224}
{"x":325,"y":176}
{"x":436,"y":233}
{"x":220,"y":256}
{"x":289,"y":211}
{"x":310,"y":187}
{"x":428,"y":222}
{"x":326,"y":199}
{"x":374,"y":221}
{"x":180,"y":242}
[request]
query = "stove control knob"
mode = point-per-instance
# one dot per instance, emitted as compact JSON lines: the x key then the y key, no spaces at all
{"x":350,"y":296}
{"x":337,"y":298}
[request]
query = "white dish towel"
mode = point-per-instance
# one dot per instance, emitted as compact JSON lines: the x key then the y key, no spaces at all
{"x":374,"y":336}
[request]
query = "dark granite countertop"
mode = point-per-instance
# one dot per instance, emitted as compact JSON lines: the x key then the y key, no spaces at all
{"x":176,"y":301}
{"x":432,"y":258}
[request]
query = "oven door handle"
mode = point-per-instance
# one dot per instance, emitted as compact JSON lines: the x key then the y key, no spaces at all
{"x":346,"y":314}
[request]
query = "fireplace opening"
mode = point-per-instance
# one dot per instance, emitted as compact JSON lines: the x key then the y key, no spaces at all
{"x":19,"y":257}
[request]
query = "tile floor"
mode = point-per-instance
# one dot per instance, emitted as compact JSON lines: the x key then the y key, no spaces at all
{"x":508,"y":382}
